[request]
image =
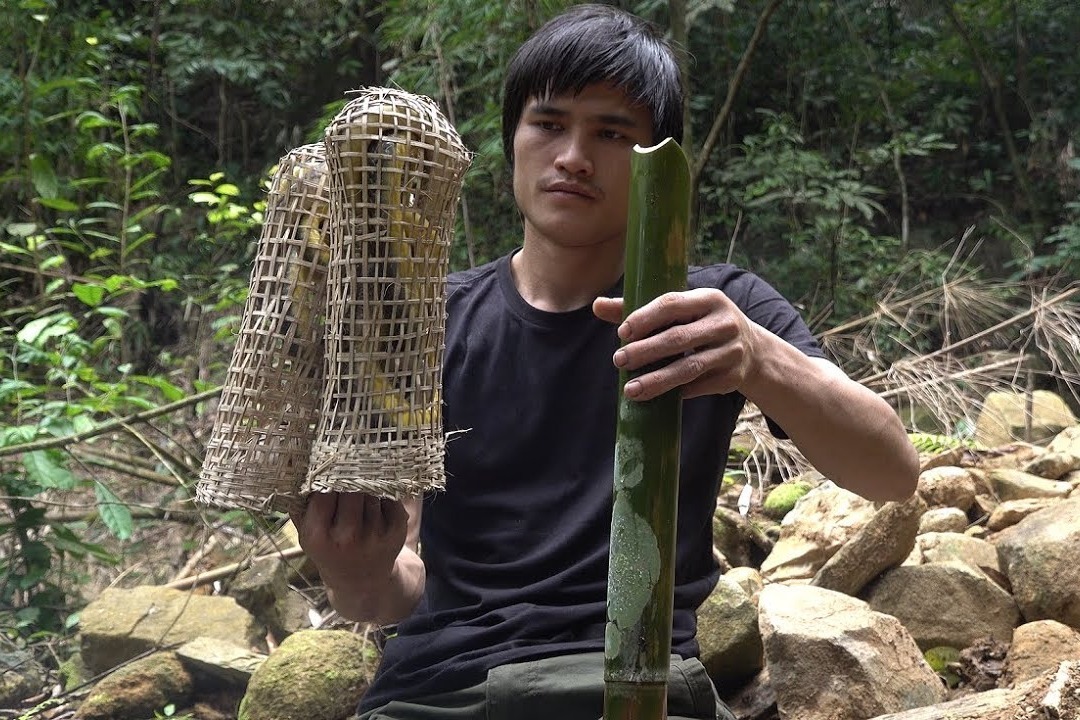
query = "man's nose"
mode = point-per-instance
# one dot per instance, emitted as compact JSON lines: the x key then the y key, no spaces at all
{"x":574,"y":157}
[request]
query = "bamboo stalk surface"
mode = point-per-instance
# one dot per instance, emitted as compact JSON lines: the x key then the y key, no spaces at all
{"x":641,"y":574}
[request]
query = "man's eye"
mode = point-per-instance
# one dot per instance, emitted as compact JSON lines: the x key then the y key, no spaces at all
{"x":610,"y":134}
{"x":548,"y":125}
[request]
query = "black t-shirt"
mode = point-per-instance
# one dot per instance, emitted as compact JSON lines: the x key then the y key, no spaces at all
{"x":516,"y":547}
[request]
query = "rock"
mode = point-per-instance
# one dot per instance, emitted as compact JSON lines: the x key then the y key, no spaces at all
{"x":1067,"y":441}
{"x":945,"y":458}
{"x":1011,"y":512}
{"x":741,"y":542}
{"x":977,"y":531}
{"x":831,"y":658}
{"x":1004,"y":417}
{"x":258,"y":587}
{"x":943,"y":520}
{"x":139,"y":690}
{"x":313,"y":675}
{"x":883,"y":542}
{"x":220,"y":660}
{"x":1073,"y":478}
{"x":72,"y":671}
{"x":982,"y":664}
{"x":120,"y":624}
{"x":943,"y":547}
{"x":781,"y":499}
{"x":731,"y":649}
{"x":301,"y":570}
{"x":263,"y":590}
{"x":1040,"y":647}
{"x":1053,"y":465}
{"x":294,"y":612}
{"x":948,"y":486}
{"x":1018,"y":485}
{"x":1025,"y":702}
{"x":756,"y":700}
{"x":1011,"y":456}
{"x":748,"y":578}
{"x":822,"y":522}
{"x":984,"y":505}
{"x":1039,"y":555}
{"x":945,"y":603}
{"x":21,"y":677}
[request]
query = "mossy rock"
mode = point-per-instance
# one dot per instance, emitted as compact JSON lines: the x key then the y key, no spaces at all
{"x":72,"y":672}
{"x":313,"y":675}
{"x":944,"y":660}
{"x":782,"y":498}
{"x":139,"y":689}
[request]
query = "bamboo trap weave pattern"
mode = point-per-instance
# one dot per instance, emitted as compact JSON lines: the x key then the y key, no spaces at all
{"x":257,"y":457}
{"x":396,"y":167}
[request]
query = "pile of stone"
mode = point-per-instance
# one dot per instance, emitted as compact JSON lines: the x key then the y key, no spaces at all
{"x":962,"y":602}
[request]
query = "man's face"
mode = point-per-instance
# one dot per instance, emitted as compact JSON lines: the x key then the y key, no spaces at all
{"x":572,"y":165}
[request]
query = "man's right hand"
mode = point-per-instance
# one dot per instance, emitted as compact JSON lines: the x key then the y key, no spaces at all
{"x":365,"y":549}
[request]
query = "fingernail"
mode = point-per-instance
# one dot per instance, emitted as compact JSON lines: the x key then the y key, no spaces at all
{"x":619,"y":358}
{"x":632,"y":389}
{"x":624,"y":331}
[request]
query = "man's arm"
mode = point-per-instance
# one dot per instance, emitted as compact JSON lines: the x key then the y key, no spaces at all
{"x":846,"y":431}
{"x":850,"y":434}
{"x":366,"y":550}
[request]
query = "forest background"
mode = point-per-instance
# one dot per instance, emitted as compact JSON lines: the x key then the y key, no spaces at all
{"x":850,"y":151}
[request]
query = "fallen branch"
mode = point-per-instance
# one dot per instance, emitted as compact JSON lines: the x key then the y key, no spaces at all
{"x":132,"y":470}
{"x":227,"y":570}
{"x":106,"y":427}
{"x":92,"y":513}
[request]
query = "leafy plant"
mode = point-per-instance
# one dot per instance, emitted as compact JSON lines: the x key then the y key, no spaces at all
{"x":1063,"y":242}
{"x":808,"y":221}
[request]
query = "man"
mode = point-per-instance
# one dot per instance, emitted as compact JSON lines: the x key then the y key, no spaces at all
{"x":503,"y":612}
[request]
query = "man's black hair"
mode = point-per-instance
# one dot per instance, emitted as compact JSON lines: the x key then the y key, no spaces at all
{"x":590,"y":44}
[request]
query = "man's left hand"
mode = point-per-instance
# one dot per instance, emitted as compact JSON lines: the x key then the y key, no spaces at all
{"x":705,"y":342}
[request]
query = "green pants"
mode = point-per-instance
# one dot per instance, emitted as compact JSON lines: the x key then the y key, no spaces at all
{"x":570,"y":687}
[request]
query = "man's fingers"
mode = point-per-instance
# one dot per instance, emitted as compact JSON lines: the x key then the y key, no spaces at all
{"x":698,"y":373}
{"x":371,"y":513}
{"x":319,"y":512}
{"x":676,"y":373}
{"x":608,"y":309}
{"x":382,"y":517}
{"x":676,"y":308}
{"x":395,"y":517}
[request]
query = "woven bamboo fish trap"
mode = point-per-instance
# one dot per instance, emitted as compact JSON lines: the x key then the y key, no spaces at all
{"x":257,"y":456}
{"x":396,"y":168}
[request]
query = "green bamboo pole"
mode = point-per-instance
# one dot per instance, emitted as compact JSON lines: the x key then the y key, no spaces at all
{"x":641,"y":576}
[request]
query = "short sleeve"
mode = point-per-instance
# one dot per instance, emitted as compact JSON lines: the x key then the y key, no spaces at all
{"x":764,"y":305}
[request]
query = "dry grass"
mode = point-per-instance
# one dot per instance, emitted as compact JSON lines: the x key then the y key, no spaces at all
{"x":936,"y":348}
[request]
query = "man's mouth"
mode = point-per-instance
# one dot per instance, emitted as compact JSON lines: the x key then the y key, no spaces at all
{"x":572,"y":188}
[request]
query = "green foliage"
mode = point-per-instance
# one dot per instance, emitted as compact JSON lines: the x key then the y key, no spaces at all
{"x":1063,"y":243}
{"x":944,"y":661}
{"x":216,"y":276}
{"x":802,"y":218}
